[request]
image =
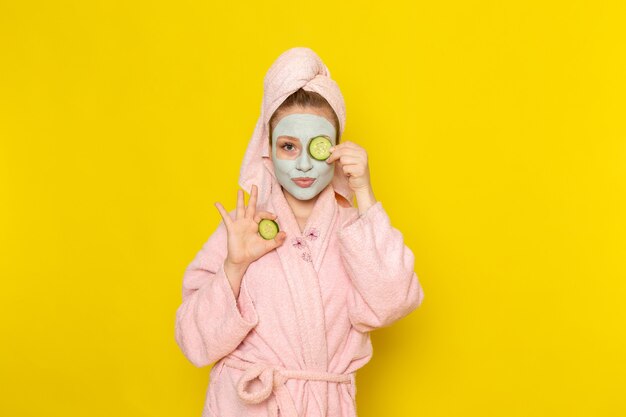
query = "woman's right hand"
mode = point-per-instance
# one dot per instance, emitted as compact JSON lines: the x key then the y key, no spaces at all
{"x":245,"y":244}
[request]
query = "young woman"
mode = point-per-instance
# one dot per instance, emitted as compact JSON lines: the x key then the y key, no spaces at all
{"x":287,"y":320}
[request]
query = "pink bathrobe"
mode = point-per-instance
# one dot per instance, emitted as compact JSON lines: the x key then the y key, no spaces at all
{"x":291,"y":343}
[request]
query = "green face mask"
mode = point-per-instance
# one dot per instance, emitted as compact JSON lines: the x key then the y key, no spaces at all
{"x":292,"y":135}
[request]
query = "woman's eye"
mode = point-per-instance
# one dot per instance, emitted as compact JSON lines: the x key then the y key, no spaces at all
{"x":291,"y":147}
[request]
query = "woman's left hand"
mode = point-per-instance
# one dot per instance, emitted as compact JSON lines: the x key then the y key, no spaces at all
{"x":352,"y":159}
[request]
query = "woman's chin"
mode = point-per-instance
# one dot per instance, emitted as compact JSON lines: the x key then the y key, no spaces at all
{"x":305,"y":194}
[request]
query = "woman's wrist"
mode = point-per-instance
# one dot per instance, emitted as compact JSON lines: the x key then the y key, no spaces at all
{"x":364,"y":199}
{"x":236,"y":265}
{"x":234,"y":272}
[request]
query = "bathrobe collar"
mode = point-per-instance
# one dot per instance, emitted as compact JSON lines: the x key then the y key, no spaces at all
{"x":301,"y":257}
{"x":313,"y":240}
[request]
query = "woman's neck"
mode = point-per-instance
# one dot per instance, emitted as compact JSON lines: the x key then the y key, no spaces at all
{"x":301,"y":208}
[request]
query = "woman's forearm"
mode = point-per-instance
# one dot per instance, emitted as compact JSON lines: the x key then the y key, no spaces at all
{"x":365,"y":199}
{"x":234,"y":273}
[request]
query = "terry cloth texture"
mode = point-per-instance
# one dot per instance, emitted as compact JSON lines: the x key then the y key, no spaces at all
{"x":291,"y":342}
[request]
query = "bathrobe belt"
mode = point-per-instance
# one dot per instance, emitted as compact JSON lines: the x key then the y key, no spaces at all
{"x":273,"y":378}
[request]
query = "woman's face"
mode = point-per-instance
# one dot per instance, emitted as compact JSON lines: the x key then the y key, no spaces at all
{"x":296,"y":170}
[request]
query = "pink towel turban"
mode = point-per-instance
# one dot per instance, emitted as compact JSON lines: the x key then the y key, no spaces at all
{"x":295,"y":68}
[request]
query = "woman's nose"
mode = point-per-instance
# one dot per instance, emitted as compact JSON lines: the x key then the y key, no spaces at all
{"x":304,"y":161}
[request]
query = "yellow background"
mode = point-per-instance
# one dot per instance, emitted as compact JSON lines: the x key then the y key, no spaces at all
{"x":497,"y":144}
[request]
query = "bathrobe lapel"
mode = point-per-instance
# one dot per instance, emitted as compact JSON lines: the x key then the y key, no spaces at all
{"x":311,"y":243}
{"x":301,"y":257}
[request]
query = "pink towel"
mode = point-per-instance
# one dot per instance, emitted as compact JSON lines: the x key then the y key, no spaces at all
{"x":294,"y":69}
{"x":293,"y":339}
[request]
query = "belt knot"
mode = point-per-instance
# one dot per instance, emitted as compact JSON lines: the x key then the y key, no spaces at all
{"x":273,"y":380}
{"x":270,"y":376}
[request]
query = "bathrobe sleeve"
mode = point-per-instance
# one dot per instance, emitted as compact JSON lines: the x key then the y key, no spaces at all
{"x":381,"y":268}
{"x":210,"y":322}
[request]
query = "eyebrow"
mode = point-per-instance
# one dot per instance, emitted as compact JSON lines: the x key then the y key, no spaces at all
{"x":297,"y":139}
{"x":287,"y":137}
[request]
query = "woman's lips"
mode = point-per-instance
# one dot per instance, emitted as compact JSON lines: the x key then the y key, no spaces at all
{"x":304,"y":182}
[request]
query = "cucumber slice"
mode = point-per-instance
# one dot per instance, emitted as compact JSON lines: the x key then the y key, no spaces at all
{"x":268,"y":229}
{"x":318,"y":148}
